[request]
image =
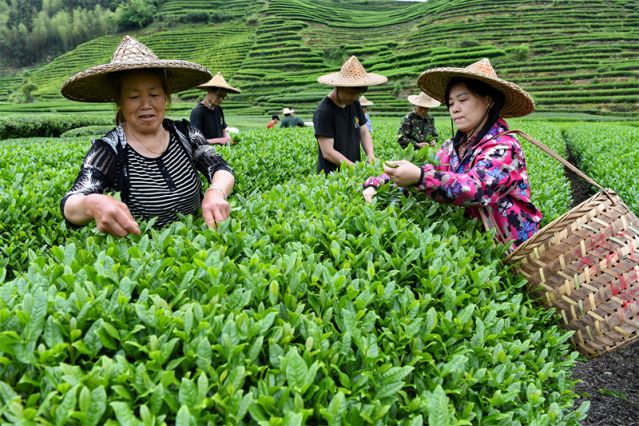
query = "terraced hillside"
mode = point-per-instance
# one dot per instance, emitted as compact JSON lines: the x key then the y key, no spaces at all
{"x":572,"y":55}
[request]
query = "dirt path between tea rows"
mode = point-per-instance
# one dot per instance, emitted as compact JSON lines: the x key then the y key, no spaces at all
{"x":611,"y":383}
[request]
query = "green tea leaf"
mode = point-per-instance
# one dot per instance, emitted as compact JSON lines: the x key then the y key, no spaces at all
{"x":124,"y":413}
{"x":7,"y":393}
{"x":438,"y":414}
{"x":337,"y":408}
{"x":188,"y":394}
{"x":296,"y":370}
{"x":65,"y":409}
{"x":183,"y":417}
{"x":97,"y":407}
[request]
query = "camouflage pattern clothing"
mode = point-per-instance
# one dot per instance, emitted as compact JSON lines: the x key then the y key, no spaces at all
{"x":291,"y":121}
{"x":415,"y":129}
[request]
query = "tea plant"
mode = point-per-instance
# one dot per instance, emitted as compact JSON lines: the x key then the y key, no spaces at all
{"x":306,"y":306}
{"x":608,"y":154}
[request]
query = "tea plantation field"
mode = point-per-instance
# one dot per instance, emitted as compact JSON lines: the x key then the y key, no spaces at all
{"x":307,"y":306}
{"x":573,"y":56}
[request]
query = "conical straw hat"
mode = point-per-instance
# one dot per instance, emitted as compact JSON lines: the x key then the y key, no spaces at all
{"x":218,"y":82}
{"x":287,"y":111}
{"x":423,"y":100}
{"x":517,"y":101}
{"x":365,"y":102}
{"x":352,"y":74}
{"x":96,"y":85}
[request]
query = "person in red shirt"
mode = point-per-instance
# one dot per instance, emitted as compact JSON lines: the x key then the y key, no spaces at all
{"x":274,"y":120}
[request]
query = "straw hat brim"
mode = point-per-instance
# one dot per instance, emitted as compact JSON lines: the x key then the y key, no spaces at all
{"x":227,"y":87}
{"x":415,"y":100}
{"x":95,"y":84}
{"x":337,"y":79}
{"x":517,"y":101}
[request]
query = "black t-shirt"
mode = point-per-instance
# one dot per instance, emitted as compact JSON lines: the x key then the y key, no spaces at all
{"x":208,"y":121}
{"x":342,"y":125}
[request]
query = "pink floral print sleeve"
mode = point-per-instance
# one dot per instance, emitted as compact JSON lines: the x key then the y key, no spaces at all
{"x":491,"y":176}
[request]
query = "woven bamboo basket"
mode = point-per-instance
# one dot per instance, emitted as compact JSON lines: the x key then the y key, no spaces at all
{"x":586,"y":265}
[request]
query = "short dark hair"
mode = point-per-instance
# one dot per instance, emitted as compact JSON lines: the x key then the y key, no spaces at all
{"x":275,"y":117}
{"x":479,"y":88}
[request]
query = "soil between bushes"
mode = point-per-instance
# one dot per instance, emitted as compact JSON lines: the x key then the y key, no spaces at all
{"x":581,"y":190}
{"x":611,"y":381}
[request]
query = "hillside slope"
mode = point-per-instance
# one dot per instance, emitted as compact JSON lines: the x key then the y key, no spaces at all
{"x":572,"y":55}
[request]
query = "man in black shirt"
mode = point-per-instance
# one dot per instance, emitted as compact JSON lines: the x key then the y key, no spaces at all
{"x":208,"y":116}
{"x":339,"y":121}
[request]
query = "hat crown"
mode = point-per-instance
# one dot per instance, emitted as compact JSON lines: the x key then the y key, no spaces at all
{"x":423,"y":100}
{"x":517,"y":101}
{"x":130,"y":50}
{"x":483,"y":67}
{"x":352,"y":74}
{"x":353,"y":68}
{"x":218,"y":81}
{"x":219,"y":78}
{"x":364,"y":102}
{"x":95,"y":85}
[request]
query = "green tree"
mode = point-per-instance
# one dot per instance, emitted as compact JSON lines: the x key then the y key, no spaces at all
{"x":521,"y":52}
{"x":136,"y":14}
{"x":33,"y":31}
{"x":79,"y":26}
{"x":42,"y":33}
{"x":27,"y":90}
{"x":25,"y":93}
{"x":50,"y":7}
{"x":4,"y":14}
{"x":62,"y":23}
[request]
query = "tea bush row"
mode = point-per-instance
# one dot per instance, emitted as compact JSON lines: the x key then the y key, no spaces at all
{"x":307,"y":306}
{"x":608,"y":154}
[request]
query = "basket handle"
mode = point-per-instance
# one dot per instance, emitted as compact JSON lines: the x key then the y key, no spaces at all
{"x":554,"y":155}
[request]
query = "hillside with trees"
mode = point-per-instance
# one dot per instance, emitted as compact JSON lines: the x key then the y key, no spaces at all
{"x":571,"y":55}
{"x":36,"y":31}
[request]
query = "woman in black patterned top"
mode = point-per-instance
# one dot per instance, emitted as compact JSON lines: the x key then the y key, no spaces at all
{"x":151,"y":161}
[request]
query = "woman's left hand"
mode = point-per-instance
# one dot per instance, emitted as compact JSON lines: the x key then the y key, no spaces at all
{"x":215,"y":208}
{"x":402,"y":172}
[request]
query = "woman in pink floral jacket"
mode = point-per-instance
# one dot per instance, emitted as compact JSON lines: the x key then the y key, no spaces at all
{"x":481,"y":168}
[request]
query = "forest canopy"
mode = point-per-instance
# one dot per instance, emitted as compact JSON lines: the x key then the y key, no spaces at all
{"x":35,"y":31}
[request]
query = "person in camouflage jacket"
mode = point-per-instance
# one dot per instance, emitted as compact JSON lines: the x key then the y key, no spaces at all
{"x":418,"y":127}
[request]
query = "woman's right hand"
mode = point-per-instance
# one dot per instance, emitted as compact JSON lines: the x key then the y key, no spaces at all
{"x":402,"y":172}
{"x":111,"y":216}
{"x":369,"y":193}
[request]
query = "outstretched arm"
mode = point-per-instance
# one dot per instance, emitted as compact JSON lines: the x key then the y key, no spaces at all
{"x":329,"y":153}
{"x":215,"y":207}
{"x":367,"y":143}
{"x":86,"y":200}
{"x":495,"y":170}
{"x":224,"y":140}
{"x":111,"y":216}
